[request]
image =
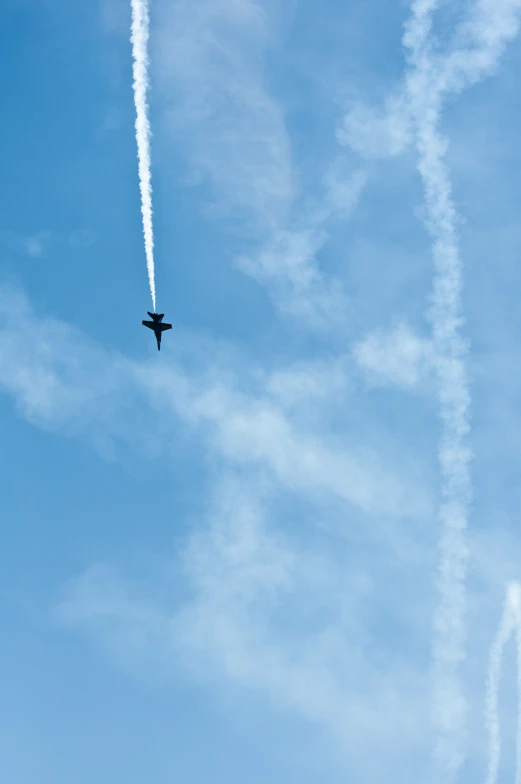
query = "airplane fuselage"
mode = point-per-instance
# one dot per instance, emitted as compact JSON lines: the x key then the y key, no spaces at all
{"x":157,"y":326}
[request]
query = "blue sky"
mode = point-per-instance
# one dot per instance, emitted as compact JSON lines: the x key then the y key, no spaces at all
{"x":223,"y":561}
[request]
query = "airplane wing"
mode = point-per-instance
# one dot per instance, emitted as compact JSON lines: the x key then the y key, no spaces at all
{"x":164,"y":326}
{"x":149,"y":324}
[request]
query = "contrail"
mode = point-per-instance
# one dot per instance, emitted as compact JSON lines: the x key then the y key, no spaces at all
{"x":509,"y":618}
{"x":516,"y":604}
{"x":480,"y":42}
{"x":449,"y":708}
{"x":139,"y":39}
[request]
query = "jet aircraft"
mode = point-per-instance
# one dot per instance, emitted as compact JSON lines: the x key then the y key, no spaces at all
{"x":156,"y":326}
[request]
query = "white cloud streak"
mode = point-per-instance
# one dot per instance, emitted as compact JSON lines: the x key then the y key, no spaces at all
{"x":504,"y":633}
{"x":254,"y":585}
{"x":489,"y":27}
{"x":139,"y":39}
{"x":478,"y":44}
{"x":397,"y":357}
{"x":413,"y":112}
{"x":59,"y":380}
{"x":32,"y":245}
{"x":212,"y":60}
{"x":279,"y":609}
{"x":517,"y":611}
{"x":250,"y":583}
{"x":211,"y":56}
{"x":288,"y":264}
{"x":472,"y":54}
{"x":449,"y":708}
{"x":266,"y":611}
{"x":510,"y":624}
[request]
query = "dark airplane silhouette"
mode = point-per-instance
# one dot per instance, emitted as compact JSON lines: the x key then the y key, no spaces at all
{"x":156,"y":326}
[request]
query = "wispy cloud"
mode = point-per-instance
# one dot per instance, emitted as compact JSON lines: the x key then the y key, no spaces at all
{"x":32,"y":245}
{"x":306,"y":574}
{"x":291,"y":615}
{"x":288,"y":265}
{"x":283,"y":618}
{"x":470,"y":54}
{"x":377,"y":132}
{"x":507,"y":624}
{"x":37,"y":246}
{"x":449,"y":706}
{"x":425,"y":93}
{"x":213,"y":54}
{"x":65,"y":381}
{"x":412,"y":113}
{"x":397,"y":357}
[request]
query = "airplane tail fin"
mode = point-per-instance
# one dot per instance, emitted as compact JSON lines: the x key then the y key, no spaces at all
{"x":151,"y":314}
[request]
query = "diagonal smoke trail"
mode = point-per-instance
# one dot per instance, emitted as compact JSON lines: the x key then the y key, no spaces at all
{"x":506,"y":627}
{"x":139,"y":39}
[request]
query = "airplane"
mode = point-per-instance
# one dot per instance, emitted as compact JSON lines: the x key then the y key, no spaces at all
{"x":156,"y":326}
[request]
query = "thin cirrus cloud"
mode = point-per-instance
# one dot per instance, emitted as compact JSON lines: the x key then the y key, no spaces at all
{"x":412,"y":114}
{"x":312,"y":566}
{"x":33,"y":245}
{"x":397,"y":357}
{"x":473,"y":53}
{"x":211,"y":59}
{"x":239,"y":568}
{"x":281,"y":618}
{"x":64,"y":381}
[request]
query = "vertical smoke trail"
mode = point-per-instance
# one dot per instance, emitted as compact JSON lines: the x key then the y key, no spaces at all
{"x":449,"y":709}
{"x":509,"y":618}
{"x":483,"y":37}
{"x":515,"y":601}
{"x":139,"y":39}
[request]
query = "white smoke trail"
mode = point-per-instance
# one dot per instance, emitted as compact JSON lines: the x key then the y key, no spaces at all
{"x":509,"y":618}
{"x":449,"y":709}
{"x":482,"y":39}
{"x":139,"y":39}
{"x":515,"y":593}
